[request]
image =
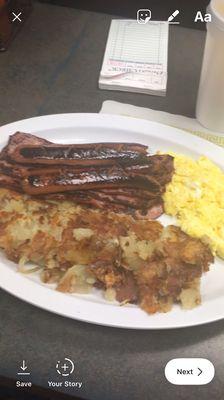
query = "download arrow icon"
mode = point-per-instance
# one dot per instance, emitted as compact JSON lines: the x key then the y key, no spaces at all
{"x":24,"y":366}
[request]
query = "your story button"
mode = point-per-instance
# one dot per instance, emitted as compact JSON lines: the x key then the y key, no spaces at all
{"x":189,"y":371}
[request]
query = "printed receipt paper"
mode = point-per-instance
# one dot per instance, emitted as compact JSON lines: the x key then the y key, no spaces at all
{"x":135,"y":59}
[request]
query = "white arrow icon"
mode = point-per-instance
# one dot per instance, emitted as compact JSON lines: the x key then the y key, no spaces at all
{"x":23,"y":368}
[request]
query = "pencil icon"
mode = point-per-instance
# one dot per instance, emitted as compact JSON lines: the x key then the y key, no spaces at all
{"x":172,"y":16}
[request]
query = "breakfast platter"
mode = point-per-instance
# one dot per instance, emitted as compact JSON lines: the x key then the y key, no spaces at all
{"x":123,"y":217}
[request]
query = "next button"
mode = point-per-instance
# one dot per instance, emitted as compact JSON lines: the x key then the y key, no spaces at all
{"x":185,"y":371}
{"x":189,"y":371}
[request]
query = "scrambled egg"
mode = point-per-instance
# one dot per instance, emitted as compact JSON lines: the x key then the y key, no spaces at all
{"x":196,"y":197}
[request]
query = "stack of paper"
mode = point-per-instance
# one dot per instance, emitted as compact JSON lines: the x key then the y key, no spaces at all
{"x":135,"y":59}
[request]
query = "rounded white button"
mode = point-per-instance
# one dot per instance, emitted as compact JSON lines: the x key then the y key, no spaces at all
{"x":189,"y":371}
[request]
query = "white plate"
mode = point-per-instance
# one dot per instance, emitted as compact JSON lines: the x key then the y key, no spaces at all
{"x":79,"y":128}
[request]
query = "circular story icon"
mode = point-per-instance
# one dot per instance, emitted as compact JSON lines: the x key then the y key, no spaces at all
{"x":65,"y":367}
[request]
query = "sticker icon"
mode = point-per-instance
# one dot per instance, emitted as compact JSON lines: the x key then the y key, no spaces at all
{"x":143,"y":15}
{"x":65,"y":367}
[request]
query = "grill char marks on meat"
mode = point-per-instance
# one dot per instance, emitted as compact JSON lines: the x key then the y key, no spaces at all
{"x":160,"y":166}
{"x":10,"y":175}
{"x":80,"y":154}
{"x":93,"y":178}
{"x":126,"y":184}
{"x":16,"y":140}
{"x":141,"y":207}
{"x":9,"y":182}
